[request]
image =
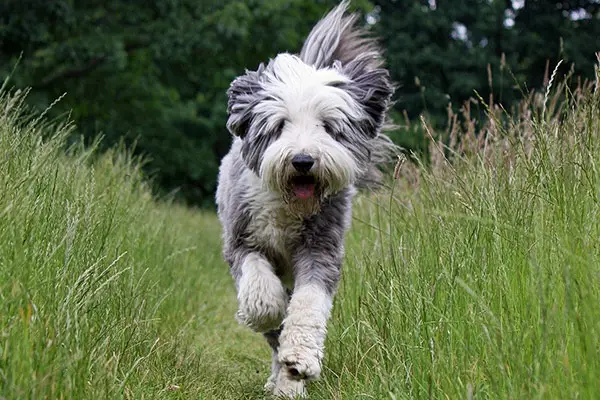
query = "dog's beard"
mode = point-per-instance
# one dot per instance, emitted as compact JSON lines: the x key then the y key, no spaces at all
{"x":303,"y":194}
{"x":334,"y":170}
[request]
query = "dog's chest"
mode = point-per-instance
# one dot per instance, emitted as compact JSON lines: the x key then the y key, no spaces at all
{"x":272,"y":228}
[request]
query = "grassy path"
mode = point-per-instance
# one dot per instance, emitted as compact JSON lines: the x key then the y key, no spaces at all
{"x":226,"y":361}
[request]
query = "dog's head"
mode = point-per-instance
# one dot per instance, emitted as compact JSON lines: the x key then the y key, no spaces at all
{"x":306,"y":121}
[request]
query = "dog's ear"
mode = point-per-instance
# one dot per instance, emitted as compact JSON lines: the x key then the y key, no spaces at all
{"x":244,"y":93}
{"x":372,"y":88}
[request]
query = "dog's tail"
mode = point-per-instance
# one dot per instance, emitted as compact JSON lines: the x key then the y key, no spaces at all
{"x":338,"y":38}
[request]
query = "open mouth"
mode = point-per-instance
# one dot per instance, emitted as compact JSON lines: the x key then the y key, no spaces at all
{"x":304,"y":186}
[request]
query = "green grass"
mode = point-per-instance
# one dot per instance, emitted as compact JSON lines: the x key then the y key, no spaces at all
{"x":475,"y":279}
{"x":105,"y":293}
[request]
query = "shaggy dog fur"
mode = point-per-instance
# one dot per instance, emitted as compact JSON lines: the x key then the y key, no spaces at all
{"x":307,"y":132}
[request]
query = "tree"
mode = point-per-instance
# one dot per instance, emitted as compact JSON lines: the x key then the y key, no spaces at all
{"x":149,"y":73}
{"x":439,"y":51}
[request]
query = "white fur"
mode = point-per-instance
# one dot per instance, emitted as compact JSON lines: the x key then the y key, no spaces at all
{"x":301,"y":96}
{"x":330,"y":104}
{"x":334,"y":166}
{"x":261,"y":296}
{"x":298,"y":88}
{"x":288,"y":387}
{"x":304,"y":330}
{"x":272,"y":224}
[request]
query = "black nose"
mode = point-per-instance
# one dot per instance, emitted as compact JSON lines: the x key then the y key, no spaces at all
{"x":303,"y":162}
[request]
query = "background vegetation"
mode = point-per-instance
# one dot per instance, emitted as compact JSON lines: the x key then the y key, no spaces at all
{"x":153,"y":75}
{"x":476,"y":276}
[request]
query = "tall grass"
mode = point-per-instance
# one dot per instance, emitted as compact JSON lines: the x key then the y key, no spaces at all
{"x":104,"y":292}
{"x":479,"y":276}
{"x":476,"y":276}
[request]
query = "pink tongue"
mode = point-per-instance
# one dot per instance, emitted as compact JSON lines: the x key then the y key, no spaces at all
{"x":304,"y":190}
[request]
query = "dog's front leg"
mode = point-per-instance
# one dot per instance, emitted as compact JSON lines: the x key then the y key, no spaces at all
{"x":305,"y":326}
{"x":262,"y":299}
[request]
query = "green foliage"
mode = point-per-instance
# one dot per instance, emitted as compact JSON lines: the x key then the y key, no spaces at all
{"x":63,"y":253}
{"x":501,"y":51}
{"x":154,"y":74}
{"x":104,"y":293}
{"x":479,"y":279}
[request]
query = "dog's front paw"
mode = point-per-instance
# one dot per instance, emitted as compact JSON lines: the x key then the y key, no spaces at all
{"x":300,"y":353}
{"x":262,"y":302}
{"x":301,"y":363}
{"x":288,"y":388}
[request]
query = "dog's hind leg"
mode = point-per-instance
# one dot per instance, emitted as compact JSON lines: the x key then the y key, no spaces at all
{"x":262,"y":299}
{"x":273,"y":340}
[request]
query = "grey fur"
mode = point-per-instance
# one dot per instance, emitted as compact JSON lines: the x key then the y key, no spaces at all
{"x":306,"y":248}
{"x":244,"y":94}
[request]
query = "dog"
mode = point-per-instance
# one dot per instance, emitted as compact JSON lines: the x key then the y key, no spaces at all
{"x":307,"y":132}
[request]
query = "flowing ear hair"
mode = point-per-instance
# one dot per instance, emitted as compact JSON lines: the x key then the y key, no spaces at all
{"x":244,"y":94}
{"x":338,"y":42}
{"x":372,"y":89}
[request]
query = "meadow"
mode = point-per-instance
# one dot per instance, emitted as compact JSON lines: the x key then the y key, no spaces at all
{"x":475,"y":275}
